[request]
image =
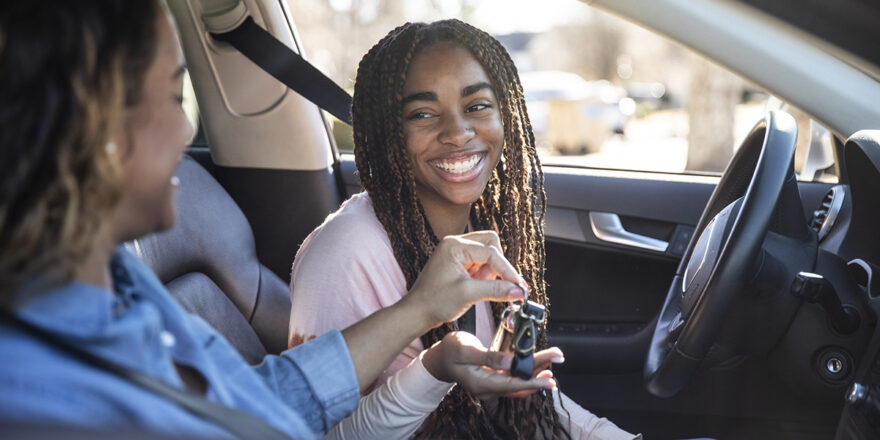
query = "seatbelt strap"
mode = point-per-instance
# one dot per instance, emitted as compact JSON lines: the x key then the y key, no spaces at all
{"x":468,"y":322}
{"x":289,"y":67}
{"x":243,"y":425}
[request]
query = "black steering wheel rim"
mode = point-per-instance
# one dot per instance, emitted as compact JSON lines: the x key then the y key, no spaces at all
{"x":756,"y":175}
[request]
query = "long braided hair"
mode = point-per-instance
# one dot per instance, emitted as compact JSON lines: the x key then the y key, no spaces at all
{"x":513,"y":203}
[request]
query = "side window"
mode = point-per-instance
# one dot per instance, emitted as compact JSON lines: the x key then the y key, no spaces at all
{"x":632,"y":100}
{"x":814,"y":155}
{"x":190,"y":106}
{"x":601,"y":92}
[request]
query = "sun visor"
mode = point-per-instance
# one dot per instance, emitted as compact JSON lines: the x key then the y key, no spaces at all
{"x":250,"y":119}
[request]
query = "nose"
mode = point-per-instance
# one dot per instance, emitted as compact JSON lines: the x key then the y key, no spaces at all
{"x":456,"y":130}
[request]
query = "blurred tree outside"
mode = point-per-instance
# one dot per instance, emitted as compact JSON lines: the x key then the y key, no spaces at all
{"x":337,"y":33}
{"x":712,"y":97}
{"x":596,"y":46}
{"x":589,"y":48}
{"x":605,"y":47}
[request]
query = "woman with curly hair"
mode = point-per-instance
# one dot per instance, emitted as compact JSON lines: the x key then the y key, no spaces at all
{"x":443,"y":144}
{"x":91,"y":134}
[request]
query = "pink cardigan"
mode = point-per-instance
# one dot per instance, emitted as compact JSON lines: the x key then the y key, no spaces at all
{"x":344,"y":271}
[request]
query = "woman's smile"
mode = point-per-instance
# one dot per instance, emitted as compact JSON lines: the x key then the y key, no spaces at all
{"x":452,"y":126}
{"x":462,"y":167}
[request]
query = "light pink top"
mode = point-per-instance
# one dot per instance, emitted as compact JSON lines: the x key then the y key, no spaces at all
{"x":344,"y":271}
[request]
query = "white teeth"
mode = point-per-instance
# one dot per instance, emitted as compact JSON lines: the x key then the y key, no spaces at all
{"x":459,"y":167}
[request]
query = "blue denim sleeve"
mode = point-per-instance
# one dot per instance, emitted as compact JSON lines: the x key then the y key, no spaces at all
{"x":322,"y":386}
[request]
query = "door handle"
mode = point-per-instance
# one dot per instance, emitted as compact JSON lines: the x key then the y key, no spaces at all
{"x":606,"y":226}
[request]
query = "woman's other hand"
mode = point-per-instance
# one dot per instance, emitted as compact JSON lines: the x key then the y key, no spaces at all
{"x":461,"y":358}
{"x":461,"y":272}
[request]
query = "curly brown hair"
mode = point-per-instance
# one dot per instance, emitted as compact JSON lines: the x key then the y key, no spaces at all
{"x":513,"y":203}
{"x":70,"y":68}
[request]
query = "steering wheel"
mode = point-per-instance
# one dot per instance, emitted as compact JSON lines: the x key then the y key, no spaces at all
{"x":719,"y":260}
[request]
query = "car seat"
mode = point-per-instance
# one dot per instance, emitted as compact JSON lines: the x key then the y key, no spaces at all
{"x":209,"y":264}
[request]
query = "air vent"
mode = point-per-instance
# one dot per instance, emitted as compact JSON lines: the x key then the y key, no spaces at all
{"x":825,"y":216}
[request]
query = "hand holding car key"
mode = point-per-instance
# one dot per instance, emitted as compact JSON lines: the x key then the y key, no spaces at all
{"x":517,"y":334}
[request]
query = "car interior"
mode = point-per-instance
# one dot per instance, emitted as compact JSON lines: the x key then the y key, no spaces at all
{"x":776,"y":332}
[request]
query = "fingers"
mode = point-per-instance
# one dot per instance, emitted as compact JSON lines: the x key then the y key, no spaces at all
{"x":494,"y":290}
{"x":519,"y":394}
{"x":488,"y":238}
{"x":482,"y":272}
{"x":449,"y":357}
{"x":497,"y":360}
{"x":469,"y":350}
{"x":486,"y":373}
{"x":474,"y":353}
{"x":544,"y":358}
{"x":461,"y":272}
{"x":472,"y":254}
{"x":489,"y":383}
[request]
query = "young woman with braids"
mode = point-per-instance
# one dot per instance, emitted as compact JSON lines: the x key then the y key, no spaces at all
{"x":91,"y":133}
{"x":443,"y":144}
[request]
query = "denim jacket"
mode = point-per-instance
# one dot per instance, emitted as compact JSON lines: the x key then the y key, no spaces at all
{"x":303,"y":392}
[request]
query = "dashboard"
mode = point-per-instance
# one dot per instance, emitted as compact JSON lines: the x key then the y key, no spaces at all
{"x":855,"y":238}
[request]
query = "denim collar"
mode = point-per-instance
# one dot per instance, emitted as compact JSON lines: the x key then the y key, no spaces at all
{"x":117,"y":325}
{"x":79,"y":309}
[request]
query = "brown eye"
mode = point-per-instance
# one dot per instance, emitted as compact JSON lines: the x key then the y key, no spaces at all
{"x":419,"y":115}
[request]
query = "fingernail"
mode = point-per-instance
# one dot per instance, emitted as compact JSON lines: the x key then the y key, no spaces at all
{"x":558,"y":359}
{"x":516,"y":293}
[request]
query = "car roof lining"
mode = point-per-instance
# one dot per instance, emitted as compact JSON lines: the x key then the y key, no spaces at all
{"x":826,"y":18}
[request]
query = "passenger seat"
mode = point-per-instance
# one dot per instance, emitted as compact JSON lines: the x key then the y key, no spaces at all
{"x":208,"y":262}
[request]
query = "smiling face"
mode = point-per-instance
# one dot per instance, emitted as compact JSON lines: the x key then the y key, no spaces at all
{"x":452,"y":126}
{"x":156,"y":134}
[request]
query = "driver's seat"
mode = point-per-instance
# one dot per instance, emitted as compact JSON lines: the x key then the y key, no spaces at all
{"x":208,"y":262}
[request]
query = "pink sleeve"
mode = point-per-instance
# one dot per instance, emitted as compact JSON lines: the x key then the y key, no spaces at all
{"x":344,"y":272}
{"x":397,"y":408}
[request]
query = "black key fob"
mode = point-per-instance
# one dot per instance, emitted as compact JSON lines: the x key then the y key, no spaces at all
{"x":517,"y":334}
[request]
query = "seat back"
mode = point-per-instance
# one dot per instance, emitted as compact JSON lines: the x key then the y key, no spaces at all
{"x":208,"y":262}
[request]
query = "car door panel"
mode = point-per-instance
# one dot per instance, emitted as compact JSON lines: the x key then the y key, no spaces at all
{"x":601,"y":290}
{"x":605,"y":297}
{"x":605,"y":294}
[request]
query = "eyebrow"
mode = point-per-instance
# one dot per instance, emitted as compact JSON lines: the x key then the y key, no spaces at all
{"x":420,"y":96}
{"x":431,"y":96}
{"x":474,"y":88}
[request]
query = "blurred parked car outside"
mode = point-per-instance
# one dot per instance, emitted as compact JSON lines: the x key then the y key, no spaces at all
{"x":571,"y":115}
